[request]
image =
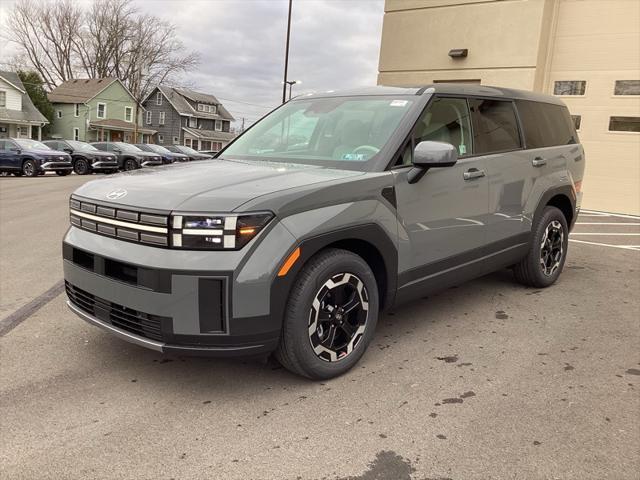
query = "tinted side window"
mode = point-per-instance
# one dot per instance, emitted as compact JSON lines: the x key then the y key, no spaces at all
{"x":495,"y":128}
{"x":545,"y":124}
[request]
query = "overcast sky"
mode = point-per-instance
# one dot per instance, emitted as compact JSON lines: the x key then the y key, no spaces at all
{"x":334,"y":44}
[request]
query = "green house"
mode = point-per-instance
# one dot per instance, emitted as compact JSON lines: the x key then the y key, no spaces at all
{"x":97,"y":109}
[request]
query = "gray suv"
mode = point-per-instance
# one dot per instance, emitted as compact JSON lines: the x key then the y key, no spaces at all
{"x":326,"y":212}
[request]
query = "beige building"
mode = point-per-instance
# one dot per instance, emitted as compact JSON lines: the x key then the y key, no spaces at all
{"x":586,"y":51}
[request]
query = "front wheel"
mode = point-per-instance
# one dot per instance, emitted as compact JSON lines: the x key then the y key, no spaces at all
{"x":130,"y":164}
{"x":29,"y":168}
{"x":81,"y":167}
{"x":331,"y":315}
{"x":548,"y":250}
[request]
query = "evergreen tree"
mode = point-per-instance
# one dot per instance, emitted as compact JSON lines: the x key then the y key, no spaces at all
{"x":33,"y":84}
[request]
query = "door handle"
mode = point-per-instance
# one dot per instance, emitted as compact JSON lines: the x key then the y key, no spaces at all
{"x":539,"y":161}
{"x":473,"y":173}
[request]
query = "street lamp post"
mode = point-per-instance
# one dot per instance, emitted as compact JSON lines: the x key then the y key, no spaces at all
{"x":291,"y":83}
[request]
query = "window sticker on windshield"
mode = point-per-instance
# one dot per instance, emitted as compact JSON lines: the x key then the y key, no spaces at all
{"x":398,"y":103}
{"x":462,"y":149}
{"x":354,"y":156}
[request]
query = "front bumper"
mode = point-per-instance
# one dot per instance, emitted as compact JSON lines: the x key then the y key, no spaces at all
{"x":191,"y":302}
{"x":151,"y":163}
{"x":105,"y":165}
{"x":55,"y":166}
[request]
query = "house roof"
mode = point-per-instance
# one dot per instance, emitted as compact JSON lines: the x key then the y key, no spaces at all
{"x":79,"y":90}
{"x":177,"y":97}
{"x":210,"y":134}
{"x":29,"y":112}
{"x":117,"y":124}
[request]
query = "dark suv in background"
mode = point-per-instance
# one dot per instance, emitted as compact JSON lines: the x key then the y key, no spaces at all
{"x":190,"y":152}
{"x":129,"y":156}
{"x":167,"y":155}
{"x":329,"y":210}
{"x":22,"y":156}
{"x":85,"y":157}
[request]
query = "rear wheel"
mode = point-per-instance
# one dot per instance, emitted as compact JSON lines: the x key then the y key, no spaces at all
{"x":81,"y":167}
{"x":29,"y":168}
{"x":548,"y":250}
{"x":331,"y":315}
{"x":130,"y":164}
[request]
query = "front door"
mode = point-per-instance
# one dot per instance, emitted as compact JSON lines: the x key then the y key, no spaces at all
{"x":444,"y":214}
{"x":116,"y":136}
{"x":9,"y":158}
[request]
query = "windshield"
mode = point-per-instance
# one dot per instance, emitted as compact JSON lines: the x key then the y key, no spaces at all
{"x":85,"y":147}
{"x":31,"y":144}
{"x":126,"y":147}
{"x":324,"y":131}
{"x":144,"y":146}
{"x":158,"y":149}
{"x":184,"y":149}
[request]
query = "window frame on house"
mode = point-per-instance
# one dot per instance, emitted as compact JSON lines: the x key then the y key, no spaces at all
{"x":189,"y":119}
{"x":161,"y":118}
{"x":215,"y":125}
{"x":632,"y":120}
{"x":3,"y":98}
{"x":104,"y":112}
{"x":160,"y":138}
{"x":128,"y":110}
{"x":176,"y":141}
{"x":159,"y":98}
{"x":581,"y":86}
{"x":76,"y":110}
{"x":149,"y":117}
{"x":58,"y":113}
{"x":577,"y":121}
{"x":76,"y":134}
{"x":634,"y":84}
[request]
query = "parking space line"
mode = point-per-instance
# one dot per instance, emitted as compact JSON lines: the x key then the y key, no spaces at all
{"x":593,"y":213}
{"x":8,"y":323}
{"x":624,"y":247}
{"x":607,"y":223}
{"x":615,"y":234}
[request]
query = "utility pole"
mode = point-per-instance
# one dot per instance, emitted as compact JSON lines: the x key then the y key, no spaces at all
{"x":286,"y":56}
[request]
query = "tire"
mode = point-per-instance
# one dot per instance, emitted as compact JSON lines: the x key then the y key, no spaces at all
{"x":350,"y":281}
{"x":62,"y":173}
{"x":549,"y":245}
{"x":130,"y":164}
{"x":29,"y":168}
{"x":81,"y":167}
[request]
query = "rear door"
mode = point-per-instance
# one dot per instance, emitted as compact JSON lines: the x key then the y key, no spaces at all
{"x":444,"y":214}
{"x":9,"y":157}
{"x":497,"y":138}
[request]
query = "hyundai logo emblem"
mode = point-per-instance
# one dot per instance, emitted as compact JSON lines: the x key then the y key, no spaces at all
{"x":116,"y":194}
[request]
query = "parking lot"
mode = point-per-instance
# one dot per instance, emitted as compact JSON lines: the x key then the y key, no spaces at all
{"x":485,"y":380}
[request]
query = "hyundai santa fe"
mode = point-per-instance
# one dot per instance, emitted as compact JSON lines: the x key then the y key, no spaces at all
{"x":330,"y":210}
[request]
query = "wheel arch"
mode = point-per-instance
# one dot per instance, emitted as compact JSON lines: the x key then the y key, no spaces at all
{"x":563,"y":198}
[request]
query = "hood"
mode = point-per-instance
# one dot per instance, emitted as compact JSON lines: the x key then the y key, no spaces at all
{"x":211,"y":186}
{"x":99,"y":153}
{"x":45,"y":153}
{"x":146,"y":154}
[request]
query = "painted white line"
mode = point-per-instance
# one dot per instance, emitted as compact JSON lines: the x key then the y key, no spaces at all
{"x":594,"y":213}
{"x":607,"y":223}
{"x":624,"y":247}
{"x":609,"y":234}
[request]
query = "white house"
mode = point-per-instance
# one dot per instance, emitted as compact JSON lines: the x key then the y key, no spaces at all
{"x":18,"y":114}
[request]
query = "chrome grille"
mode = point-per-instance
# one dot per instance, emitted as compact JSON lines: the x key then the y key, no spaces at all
{"x":123,"y":223}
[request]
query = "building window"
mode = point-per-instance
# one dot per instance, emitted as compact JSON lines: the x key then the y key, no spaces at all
{"x":218,"y":125}
{"x":569,"y":87}
{"x":149,"y":117}
{"x":3,"y":98}
{"x":161,"y":118}
{"x":216,"y":146}
{"x":187,"y":142}
{"x":176,"y":140}
{"x":200,"y":107}
{"x":160,"y":138}
{"x":577,"y":119}
{"x":128,"y":114}
{"x":624,"y":124}
{"x":627,"y":87}
{"x":76,"y":110}
{"x":193,"y":122}
{"x":59,"y":114}
{"x":101,"y":110}
{"x":159,"y":98}
{"x":76,"y":134}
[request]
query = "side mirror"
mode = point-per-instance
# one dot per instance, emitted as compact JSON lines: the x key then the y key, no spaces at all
{"x":430,"y":154}
{"x":16,"y":149}
{"x":68,"y":150}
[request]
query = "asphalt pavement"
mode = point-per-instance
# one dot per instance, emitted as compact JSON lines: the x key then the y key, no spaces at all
{"x":488,"y":380}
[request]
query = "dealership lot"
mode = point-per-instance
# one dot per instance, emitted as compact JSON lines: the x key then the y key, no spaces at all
{"x":486,"y":380}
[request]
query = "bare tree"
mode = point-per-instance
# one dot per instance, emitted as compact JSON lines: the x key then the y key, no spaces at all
{"x":109,"y":39}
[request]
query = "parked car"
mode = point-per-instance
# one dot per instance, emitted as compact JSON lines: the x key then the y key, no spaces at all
{"x":22,"y":156}
{"x":129,"y":156}
{"x":85,"y":157}
{"x":190,"y":152}
{"x":167,"y":155}
{"x":294,"y":246}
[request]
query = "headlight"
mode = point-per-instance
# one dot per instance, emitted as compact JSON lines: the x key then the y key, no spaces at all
{"x":216,"y":232}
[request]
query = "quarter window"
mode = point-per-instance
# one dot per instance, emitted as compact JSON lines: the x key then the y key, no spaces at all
{"x":546,"y":124}
{"x":495,"y":128}
{"x":624,"y":124}
{"x":569,"y":87}
{"x":627,"y":87}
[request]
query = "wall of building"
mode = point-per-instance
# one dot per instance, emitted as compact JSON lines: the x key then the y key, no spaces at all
{"x":13,"y":96}
{"x":530,"y":44}
{"x":172,"y":128}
